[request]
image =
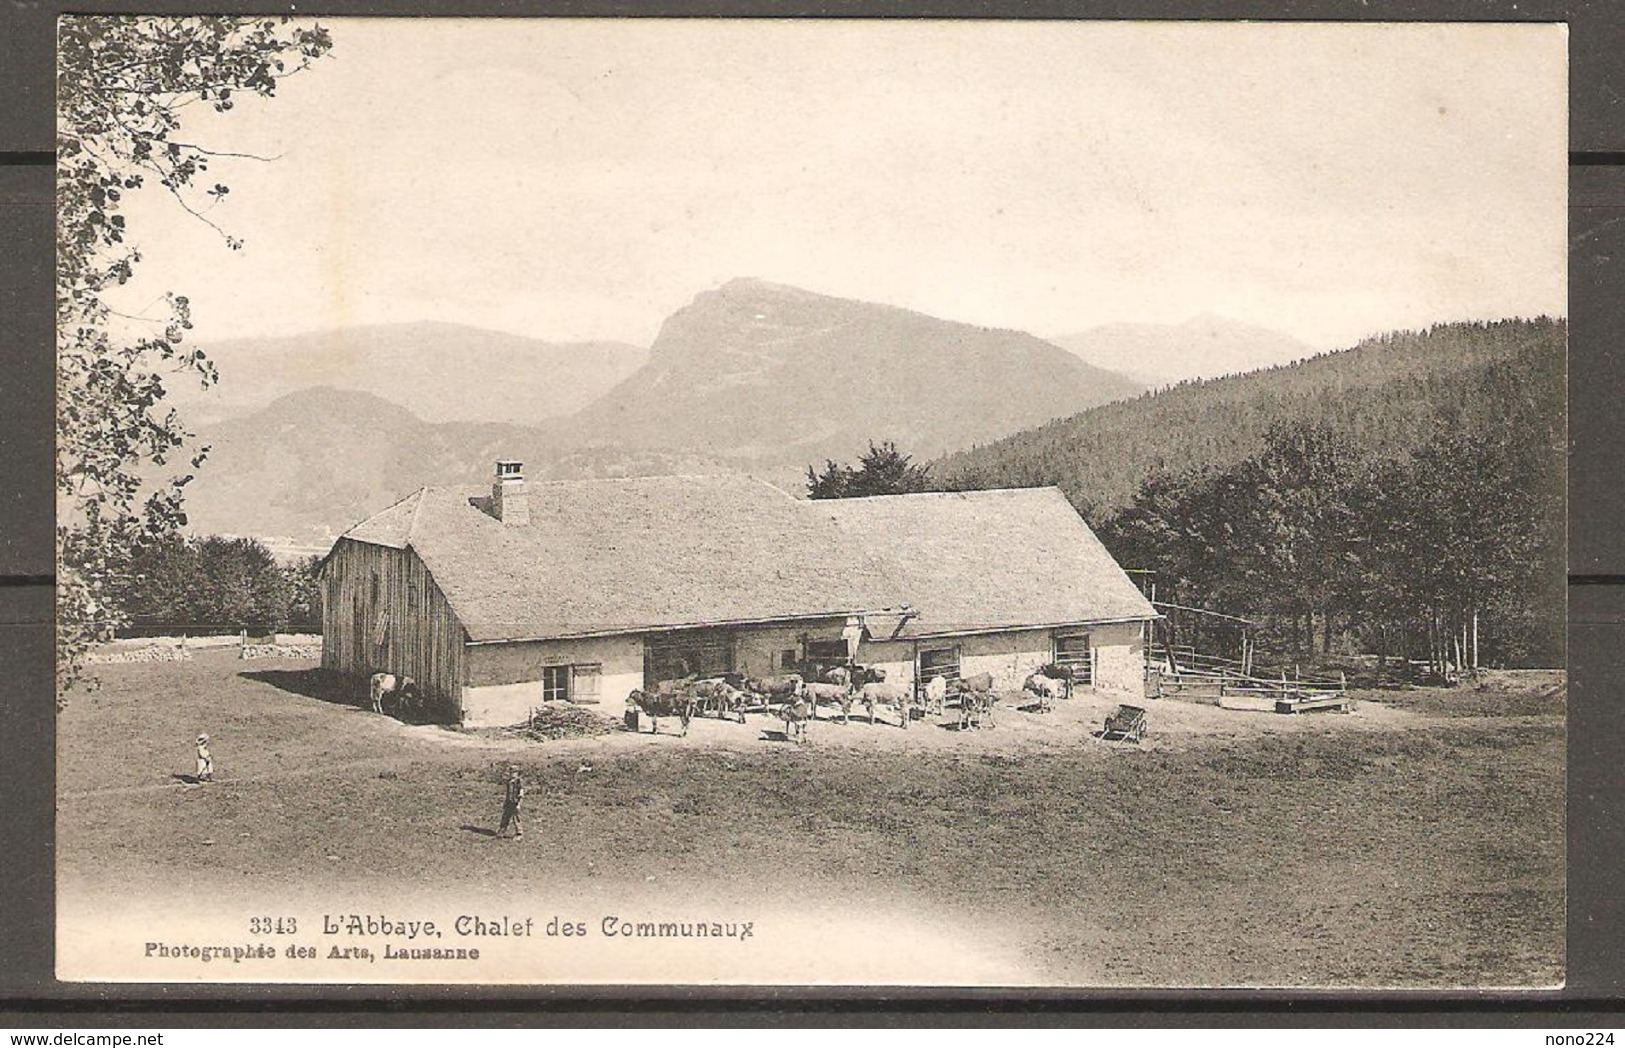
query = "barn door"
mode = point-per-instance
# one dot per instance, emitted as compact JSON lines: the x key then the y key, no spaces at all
{"x":822,"y":656}
{"x":1075,"y":652}
{"x":674,"y":655}
{"x":937,"y":662}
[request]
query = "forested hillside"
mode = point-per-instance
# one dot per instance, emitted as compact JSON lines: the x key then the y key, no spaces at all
{"x":1386,"y":395}
{"x":1405,"y":497}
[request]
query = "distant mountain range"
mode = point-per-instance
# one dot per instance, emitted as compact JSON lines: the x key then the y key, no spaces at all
{"x":751,"y":377}
{"x":1206,"y":346}
{"x":438,"y":372}
{"x":768,"y":379}
{"x":316,"y":461}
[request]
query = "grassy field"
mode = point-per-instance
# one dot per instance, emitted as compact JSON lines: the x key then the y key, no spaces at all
{"x":1415,"y":842}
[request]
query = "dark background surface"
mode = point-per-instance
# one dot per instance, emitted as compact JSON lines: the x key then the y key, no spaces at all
{"x":1595,"y":995}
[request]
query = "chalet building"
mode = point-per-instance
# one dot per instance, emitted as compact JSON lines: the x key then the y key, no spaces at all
{"x":498,"y":599}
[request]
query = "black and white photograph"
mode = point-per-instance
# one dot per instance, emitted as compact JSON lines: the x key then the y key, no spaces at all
{"x":833,"y":503}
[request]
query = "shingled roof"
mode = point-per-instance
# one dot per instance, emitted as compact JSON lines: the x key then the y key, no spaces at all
{"x":610,"y":556}
{"x":989,"y":559}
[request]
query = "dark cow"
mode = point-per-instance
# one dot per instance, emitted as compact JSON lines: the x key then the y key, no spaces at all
{"x":1073,"y":675}
{"x":980,"y":682}
{"x":407,"y":702}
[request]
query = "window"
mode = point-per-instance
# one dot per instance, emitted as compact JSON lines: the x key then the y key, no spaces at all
{"x":578,"y":683}
{"x":1075,"y":652}
{"x":939,"y":662}
{"x":788,"y":660}
{"x":584,"y":682}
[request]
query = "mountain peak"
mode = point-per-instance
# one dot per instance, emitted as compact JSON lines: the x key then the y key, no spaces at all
{"x":333,"y":401}
{"x":756,"y":287}
{"x":760,"y":370}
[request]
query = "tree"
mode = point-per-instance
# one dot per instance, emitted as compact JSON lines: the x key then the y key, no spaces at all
{"x":240,"y":586}
{"x":1301,"y":523}
{"x":154,"y":584}
{"x":216,"y":584}
{"x":882,"y":470}
{"x":122,"y":86}
{"x":303,"y":579}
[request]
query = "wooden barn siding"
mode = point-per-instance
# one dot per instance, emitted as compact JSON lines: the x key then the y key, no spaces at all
{"x":422,"y":637}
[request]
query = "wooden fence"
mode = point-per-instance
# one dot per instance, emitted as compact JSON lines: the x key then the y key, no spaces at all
{"x":1190,"y":674}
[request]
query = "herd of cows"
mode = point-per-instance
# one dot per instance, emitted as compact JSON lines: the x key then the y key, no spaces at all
{"x":795,"y":699}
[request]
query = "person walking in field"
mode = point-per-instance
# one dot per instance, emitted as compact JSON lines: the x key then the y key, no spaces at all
{"x":205,"y":760}
{"x":511,"y":801}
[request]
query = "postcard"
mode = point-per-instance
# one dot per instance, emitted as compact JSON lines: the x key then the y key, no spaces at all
{"x":795,"y":502}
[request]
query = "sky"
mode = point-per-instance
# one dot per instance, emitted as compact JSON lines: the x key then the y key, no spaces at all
{"x":583,"y":179}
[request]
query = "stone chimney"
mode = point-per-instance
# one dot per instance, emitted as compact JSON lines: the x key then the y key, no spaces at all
{"x":509,"y":503}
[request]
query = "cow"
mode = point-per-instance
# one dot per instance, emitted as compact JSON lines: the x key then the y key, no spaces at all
{"x":663,"y":701}
{"x":784,"y":688}
{"x":795,"y":714}
{"x":973,"y":705}
{"x":407,"y":701}
{"x":878,"y":693}
{"x":975,"y":696}
{"x":936,"y":695}
{"x":980,"y":682}
{"x":1073,"y":675}
{"x":400,"y":690}
{"x":1047,"y":688}
{"x":841,"y":675}
{"x":380,"y":685}
{"x":834,"y":694}
{"x":716,"y":694}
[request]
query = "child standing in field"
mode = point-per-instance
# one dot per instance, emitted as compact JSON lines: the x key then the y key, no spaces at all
{"x":511,"y":800}
{"x":205,"y":761}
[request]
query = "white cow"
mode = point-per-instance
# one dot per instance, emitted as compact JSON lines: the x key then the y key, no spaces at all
{"x":382,"y":684}
{"x":882,"y":694}
{"x":1048,"y":689}
{"x":936,"y":694}
{"x":833,"y":694}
